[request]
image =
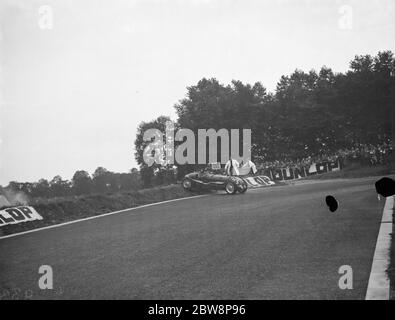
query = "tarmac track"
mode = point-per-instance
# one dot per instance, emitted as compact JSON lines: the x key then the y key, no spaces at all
{"x":270,"y":243}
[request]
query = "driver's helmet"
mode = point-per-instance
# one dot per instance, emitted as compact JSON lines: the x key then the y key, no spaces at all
{"x":205,"y":169}
{"x":215,"y":166}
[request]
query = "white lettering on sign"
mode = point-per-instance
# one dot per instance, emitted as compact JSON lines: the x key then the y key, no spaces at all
{"x":18,"y":215}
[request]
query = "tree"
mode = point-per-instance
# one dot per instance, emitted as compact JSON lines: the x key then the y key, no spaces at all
{"x":102,"y":180}
{"x":129,"y":181}
{"x":40,"y":189}
{"x":147,"y":172}
{"x":59,"y":187}
{"x":82,"y":183}
{"x":210,"y":104}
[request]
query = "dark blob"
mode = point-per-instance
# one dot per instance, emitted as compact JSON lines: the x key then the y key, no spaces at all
{"x":385,"y":187}
{"x":332,"y":203}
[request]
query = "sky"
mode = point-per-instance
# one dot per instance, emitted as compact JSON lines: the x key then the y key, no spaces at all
{"x":78,"y":76}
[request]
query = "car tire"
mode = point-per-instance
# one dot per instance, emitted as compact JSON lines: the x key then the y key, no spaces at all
{"x":230,"y":188}
{"x":187,"y":184}
{"x":245,"y":187}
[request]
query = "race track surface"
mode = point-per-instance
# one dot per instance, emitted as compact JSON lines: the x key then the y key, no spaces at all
{"x":270,"y":243}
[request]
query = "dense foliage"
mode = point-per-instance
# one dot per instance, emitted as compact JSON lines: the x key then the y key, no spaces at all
{"x":309,"y":113}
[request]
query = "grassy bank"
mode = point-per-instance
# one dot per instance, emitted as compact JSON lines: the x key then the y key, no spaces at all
{"x":58,"y":210}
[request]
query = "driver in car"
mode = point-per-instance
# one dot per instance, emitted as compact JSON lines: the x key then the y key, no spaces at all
{"x":210,"y":173}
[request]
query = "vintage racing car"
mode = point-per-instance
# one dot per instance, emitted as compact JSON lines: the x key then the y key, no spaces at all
{"x":215,"y":180}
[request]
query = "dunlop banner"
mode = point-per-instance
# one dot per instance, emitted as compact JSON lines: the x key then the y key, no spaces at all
{"x":292,"y":173}
{"x":18,"y":215}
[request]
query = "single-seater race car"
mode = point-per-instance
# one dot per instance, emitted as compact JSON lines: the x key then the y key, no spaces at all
{"x":215,"y":180}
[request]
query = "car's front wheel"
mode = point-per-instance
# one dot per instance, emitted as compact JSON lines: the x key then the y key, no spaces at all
{"x":230,"y":188}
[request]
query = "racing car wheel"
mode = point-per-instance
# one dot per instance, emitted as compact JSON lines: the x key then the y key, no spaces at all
{"x":187,"y":184}
{"x":245,"y":187}
{"x":230,"y":188}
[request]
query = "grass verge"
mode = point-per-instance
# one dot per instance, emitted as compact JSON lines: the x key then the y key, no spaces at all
{"x":59,"y":210}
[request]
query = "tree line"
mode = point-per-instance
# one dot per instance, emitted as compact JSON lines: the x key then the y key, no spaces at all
{"x":101,"y":181}
{"x":309,"y":113}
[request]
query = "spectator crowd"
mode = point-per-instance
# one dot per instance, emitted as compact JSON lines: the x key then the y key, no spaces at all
{"x":365,"y":154}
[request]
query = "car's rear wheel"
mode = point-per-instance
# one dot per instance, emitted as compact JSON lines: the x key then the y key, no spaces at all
{"x":187,"y":184}
{"x":230,"y":188}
